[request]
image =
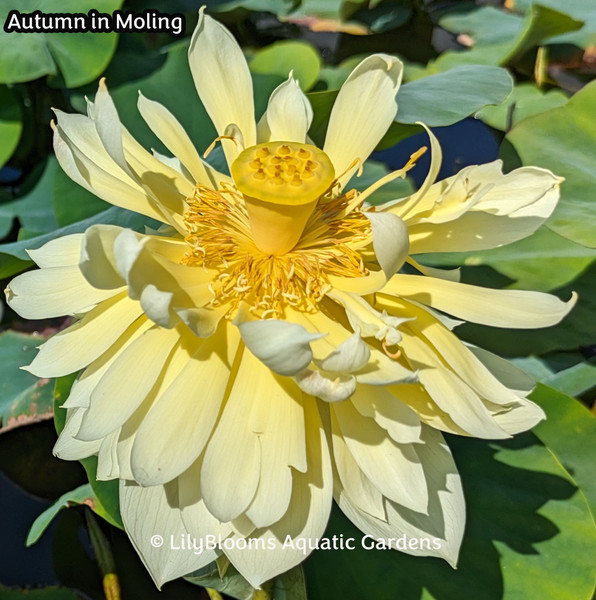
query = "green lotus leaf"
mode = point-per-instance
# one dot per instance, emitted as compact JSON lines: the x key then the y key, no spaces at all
{"x":564,"y":140}
{"x":79,"y":57}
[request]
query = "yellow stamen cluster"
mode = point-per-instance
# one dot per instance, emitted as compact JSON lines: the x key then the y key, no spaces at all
{"x":220,"y":239}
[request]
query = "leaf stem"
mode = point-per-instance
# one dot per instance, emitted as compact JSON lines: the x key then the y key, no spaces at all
{"x":105,"y":559}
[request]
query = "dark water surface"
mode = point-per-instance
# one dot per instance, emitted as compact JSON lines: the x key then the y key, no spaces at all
{"x":20,"y":565}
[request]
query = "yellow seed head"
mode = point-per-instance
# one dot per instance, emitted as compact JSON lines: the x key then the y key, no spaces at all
{"x":286,"y":173}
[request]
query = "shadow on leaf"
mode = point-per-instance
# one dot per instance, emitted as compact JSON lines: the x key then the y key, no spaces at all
{"x":507,"y":485}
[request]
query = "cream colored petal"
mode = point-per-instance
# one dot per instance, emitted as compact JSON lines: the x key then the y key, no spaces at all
{"x":202,"y":322}
{"x":527,"y":191}
{"x":349,"y":356}
{"x":173,"y":162}
{"x":166,"y":185}
{"x":223,"y":81}
{"x":514,"y":309}
{"x":419,"y":400}
{"x":339,"y":353}
{"x":461,"y":360}
{"x":482,"y":208}
{"x":147,"y":512}
{"x":91,"y":167}
{"x":80,"y":344}
{"x":282,"y":440}
{"x":53,"y":292}
{"x":273,"y":426}
{"x":98,"y":263}
{"x":198,"y":521}
{"x":67,"y":447}
{"x":160,"y":285}
{"x":107,"y":458}
{"x":507,"y":373}
{"x":449,"y":392}
{"x":127,"y":382}
{"x":60,"y":252}
{"x":521,"y":417}
{"x":369,"y":321}
{"x":423,"y":199}
{"x":447,"y":510}
{"x":394,"y":469}
{"x":330,"y":387}
{"x":450,"y":275}
{"x":523,"y":414}
{"x":232,"y":460}
{"x":395,"y":417}
{"x":177,"y":428}
{"x":284,"y":347}
{"x":138,"y":263}
{"x":472,"y":231}
{"x":157,"y":305}
{"x":363,"y":111}
{"x":107,"y":124}
{"x":380,"y":369}
{"x":80,"y":133}
{"x":305,"y":519}
{"x":357,"y":487}
{"x":446,"y":518}
{"x":390,"y":241}
{"x":274,"y":492}
{"x":100,"y":266}
{"x":167,"y":128}
{"x":176,"y":361}
{"x":359,"y":285}
{"x":335,"y":332}
{"x":448,"y":322}
{"x":83,"y":386}
{"x":288,"y":115}
{"x":173,"y":249}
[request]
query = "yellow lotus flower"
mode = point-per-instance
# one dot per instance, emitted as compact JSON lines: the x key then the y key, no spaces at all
{"x":262,"y":352}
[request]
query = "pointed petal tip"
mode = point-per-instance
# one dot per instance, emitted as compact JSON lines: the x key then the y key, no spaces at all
{"x":392,"y":60}
{"x":565,"y":309}
{"x":202,"y":17}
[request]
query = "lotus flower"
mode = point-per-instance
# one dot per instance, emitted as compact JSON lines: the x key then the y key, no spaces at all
{"x":264,"y":350}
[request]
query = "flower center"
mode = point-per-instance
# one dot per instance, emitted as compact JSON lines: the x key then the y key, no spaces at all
{"x":220,"y":239}
{"x":281,"y":183}
{"x":273,"y":249}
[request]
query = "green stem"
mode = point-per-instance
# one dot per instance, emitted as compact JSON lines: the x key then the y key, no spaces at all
{"x":105,"y":559}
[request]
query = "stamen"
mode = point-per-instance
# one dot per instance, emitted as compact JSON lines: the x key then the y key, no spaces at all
{"x":393,"y":355}
{"x":356,"y":162}
{"x":218,"y":139}
{"x":394,"y":175}
{"x":220,"y":240}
